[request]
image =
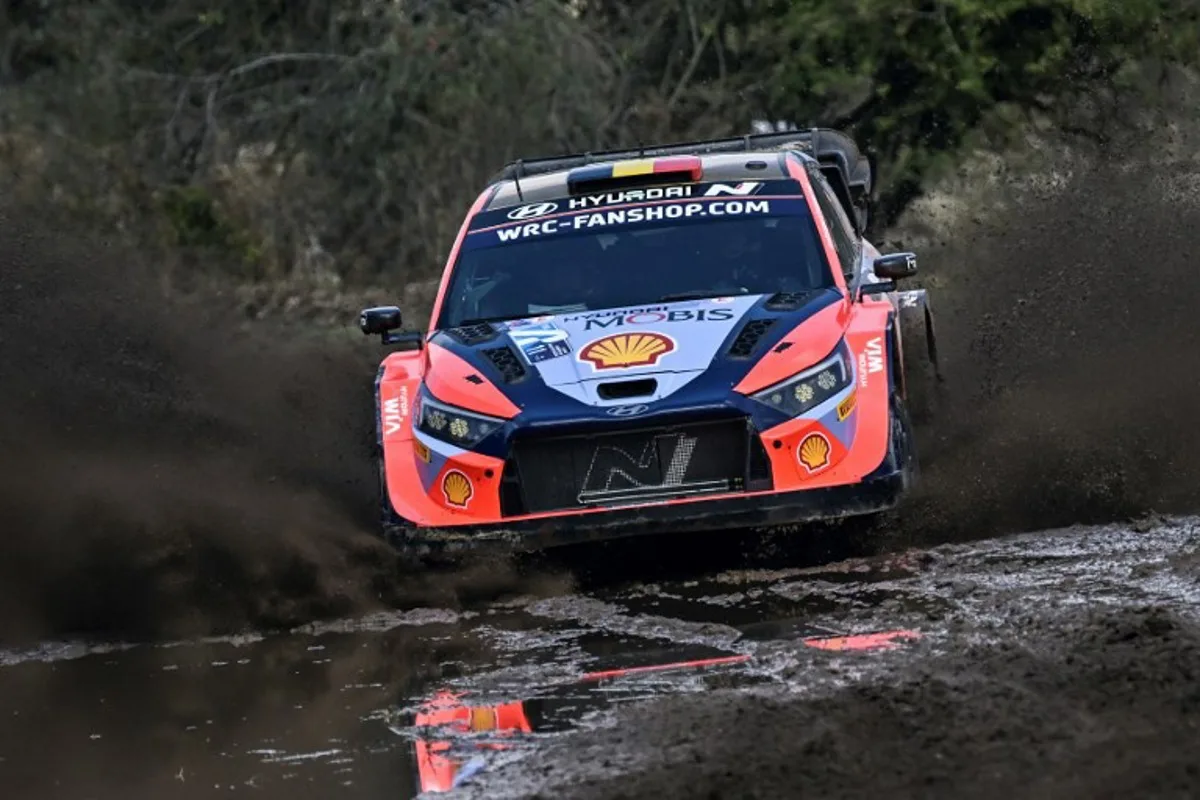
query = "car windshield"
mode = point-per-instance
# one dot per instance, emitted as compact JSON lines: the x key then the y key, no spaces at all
{"x":569,"y":263}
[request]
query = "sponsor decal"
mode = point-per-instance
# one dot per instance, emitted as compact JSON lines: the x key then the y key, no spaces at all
{"x":395,"y":410}
{"x":813,"y":452}
{"x":457,"y":489}
{"x":846,"y":406}
{"x":910,"y":299}
{"x":615,"y":313}
{"x":627,"y":411}
{"x":870,"y":360}
{"x":422,"y":451}
{"x":674,"y":210}
{"x":663,"y":461}
{"x":641,"y":349}
{"x":617,"y":319}
{"x":630,"y":196}
{"x":740,"y":190}
{"x":541,"y":341}
{"x":533,"y":210}
{"x":541,"y":351}
{"x":657,"y":193}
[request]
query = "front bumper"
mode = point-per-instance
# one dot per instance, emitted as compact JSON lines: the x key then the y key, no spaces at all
{"x":879,"y":492}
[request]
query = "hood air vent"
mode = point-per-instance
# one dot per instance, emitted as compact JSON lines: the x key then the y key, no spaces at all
{"x":471,"y":335}
{"x":788,"y":301}
{"x":749,"y":336}
{"x":507,"y":362}
{"x":623,"y":390}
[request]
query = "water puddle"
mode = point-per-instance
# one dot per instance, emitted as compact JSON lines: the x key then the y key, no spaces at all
{"x":394,"y":704}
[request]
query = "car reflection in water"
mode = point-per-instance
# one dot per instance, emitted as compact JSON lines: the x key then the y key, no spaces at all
{"x":453,"y":736}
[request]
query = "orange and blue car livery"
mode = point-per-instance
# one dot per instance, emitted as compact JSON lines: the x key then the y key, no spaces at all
{"x":696,"y":339}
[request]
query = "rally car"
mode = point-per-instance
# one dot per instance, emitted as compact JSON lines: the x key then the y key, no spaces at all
{"x":673,"y":338}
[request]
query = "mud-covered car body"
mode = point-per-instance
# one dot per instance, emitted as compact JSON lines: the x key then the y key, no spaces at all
{"x":683,"y":337}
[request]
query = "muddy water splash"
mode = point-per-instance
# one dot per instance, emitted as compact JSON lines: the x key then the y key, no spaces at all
{"x":168,"y":473}
{"x":1071,"y":351}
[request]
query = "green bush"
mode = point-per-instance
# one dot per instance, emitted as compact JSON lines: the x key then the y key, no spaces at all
{"x":350,"y":138}
{"x":914,"y":80}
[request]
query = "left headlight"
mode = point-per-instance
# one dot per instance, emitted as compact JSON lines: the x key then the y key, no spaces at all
{"x":452,"y":424}
{"x":810,"y":388}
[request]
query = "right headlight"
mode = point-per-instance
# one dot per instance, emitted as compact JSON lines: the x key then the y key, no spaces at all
{"x":453,"y":424}
{"x":807,"y":390}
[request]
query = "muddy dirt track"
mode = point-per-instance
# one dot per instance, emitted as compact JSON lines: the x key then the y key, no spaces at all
{"x":171,"y":474}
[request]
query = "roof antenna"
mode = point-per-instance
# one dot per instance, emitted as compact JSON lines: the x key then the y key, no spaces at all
{"x":519,"y":166}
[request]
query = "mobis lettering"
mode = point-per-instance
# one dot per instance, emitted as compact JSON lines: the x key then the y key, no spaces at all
{"x":620,"y":319}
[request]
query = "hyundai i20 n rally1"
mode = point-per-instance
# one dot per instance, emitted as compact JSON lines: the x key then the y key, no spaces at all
{"x":681,"y":337}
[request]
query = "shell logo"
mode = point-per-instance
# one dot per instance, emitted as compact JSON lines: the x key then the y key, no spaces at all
{"x":640,"y":349}
{"x":457,"y":488}
{"x":814,"y":452}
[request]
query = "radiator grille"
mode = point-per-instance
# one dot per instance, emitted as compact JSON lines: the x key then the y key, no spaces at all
{"x":565,"y":472}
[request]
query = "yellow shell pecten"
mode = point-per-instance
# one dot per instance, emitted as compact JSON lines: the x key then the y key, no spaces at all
{"x":457,"y":488}
{"x":814,"y":452}
{"x":627,"y":350}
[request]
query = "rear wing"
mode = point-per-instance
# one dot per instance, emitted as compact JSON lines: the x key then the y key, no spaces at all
{"x":847,"y":169}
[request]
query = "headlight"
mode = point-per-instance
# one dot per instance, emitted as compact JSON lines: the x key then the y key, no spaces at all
{"x":452,"y":424}
{"x":812,"y":387}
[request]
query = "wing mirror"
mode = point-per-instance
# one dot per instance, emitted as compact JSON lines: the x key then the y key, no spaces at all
{"x":380,"y":320}
{"x":385,"y":322}
{"x":895,"y":266}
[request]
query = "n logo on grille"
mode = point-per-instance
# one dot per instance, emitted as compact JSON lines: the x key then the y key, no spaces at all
{"x":663,"y":461}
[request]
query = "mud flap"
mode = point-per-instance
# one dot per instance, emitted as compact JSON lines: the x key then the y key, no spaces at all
{"x":921,"y":371}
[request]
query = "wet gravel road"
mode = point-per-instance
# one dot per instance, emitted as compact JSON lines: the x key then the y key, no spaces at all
{"x":1059,"y":664}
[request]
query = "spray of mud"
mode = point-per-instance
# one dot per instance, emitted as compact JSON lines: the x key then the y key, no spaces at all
{"x":168,"y":473}
{"x":1072,"y":354}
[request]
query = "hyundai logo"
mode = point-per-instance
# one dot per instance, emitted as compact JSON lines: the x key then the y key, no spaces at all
{"x":533,"y":210}
{"x":627,"y":411}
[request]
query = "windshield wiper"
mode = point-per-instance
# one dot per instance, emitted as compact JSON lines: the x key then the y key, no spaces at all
{"x":695,"y":294}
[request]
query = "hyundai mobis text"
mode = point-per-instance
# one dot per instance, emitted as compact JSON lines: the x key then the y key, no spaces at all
{"x":689,"y":336}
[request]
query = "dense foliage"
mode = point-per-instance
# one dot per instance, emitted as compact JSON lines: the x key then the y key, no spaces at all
{"x":348,"y":137}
